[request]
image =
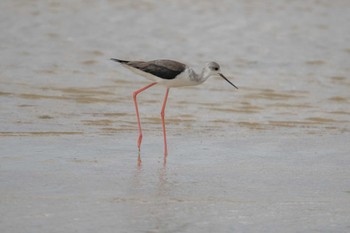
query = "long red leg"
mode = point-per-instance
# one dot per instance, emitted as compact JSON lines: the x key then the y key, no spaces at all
{"x":163,"y":122}
{"x":134,"y":94}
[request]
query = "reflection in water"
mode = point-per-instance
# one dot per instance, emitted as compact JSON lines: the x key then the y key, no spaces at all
{"x":144,"y":187}
{"x":137,"y":183}
{"x":162,"y":184}
{"x":139,"y":161}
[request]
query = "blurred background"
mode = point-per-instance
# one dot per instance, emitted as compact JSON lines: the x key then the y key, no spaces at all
{"x":289,"y":58}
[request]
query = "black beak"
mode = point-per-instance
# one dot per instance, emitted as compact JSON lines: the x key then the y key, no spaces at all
{"x":227,"y":80}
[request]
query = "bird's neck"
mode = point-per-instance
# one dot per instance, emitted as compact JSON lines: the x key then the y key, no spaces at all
{"x":203,"y":76}
{"x":198,"y":78}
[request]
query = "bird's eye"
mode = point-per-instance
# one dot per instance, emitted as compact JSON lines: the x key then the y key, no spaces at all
{"x":216,"y":68}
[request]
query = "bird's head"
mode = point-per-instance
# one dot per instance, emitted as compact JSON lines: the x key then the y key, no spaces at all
{"x":212,"y":69}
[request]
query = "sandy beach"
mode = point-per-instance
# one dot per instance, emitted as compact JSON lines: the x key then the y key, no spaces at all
{"x":272,"y":156}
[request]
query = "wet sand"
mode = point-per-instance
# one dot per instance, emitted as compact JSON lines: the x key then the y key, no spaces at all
{"x":269,"y":157}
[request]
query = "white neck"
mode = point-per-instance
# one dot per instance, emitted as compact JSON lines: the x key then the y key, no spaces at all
{"x":198,"y":78}
{"x":204,"y":75}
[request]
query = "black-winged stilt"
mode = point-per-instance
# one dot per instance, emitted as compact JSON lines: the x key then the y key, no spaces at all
{"x":169,"y":74}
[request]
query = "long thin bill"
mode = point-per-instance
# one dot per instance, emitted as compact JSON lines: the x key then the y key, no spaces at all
{"x":228,"y":80}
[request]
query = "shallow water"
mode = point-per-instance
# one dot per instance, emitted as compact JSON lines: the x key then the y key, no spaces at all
{"x":271,"y":155}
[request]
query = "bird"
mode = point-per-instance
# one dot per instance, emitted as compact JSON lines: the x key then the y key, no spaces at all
{"x":168,"y":73}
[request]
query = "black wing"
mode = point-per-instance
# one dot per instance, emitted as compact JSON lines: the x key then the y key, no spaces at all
{"x":165,"y":69}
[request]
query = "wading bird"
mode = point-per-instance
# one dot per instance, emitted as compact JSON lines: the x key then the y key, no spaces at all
{"x":169,"y":74}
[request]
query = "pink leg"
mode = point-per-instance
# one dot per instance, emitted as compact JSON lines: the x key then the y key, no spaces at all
{"x":134,"y":94}
{"x":163,"y":123}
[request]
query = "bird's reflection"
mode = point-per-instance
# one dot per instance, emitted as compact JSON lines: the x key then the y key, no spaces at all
{"x":139,"y":161}
{"x":152,"y":186}
{"x":141,"y":174}
{"x":162,"y":185}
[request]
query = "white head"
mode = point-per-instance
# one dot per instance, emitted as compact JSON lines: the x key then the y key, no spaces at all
{"x":212,"y":69}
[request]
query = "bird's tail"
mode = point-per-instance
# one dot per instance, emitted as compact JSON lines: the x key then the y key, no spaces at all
{"x":118,"y":60}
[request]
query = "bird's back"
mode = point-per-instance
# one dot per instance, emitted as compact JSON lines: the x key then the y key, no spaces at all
{"x":164,"y":69}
